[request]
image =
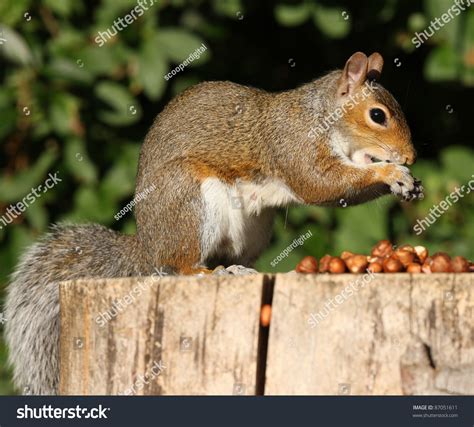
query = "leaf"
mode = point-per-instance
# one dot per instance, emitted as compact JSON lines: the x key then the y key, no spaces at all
{"x":229,"y":8}
{"x":21,"y":239}
{"x":446,"y":30}
{"x":129,"y":227}
{"x":90,"y":206}
{"x":98,"y":60}
{"x":16,"y":187}
{"x":8,"y":121}
{"x":63,"y":7}
{"x":66,"y":69}
{"x":37,"y":215}
{"x":111,"y":9}
{"x":119,"y":182}
{"x":62,"y":110}
{"x":13,"y":11}
{"x":417,"y":22}
{"x":468,"y":54}
{"x":67,"y":41}
{"x":361,"y":226}
{"x":388,"y":10}
{"x":152,"y":67}
{"x":292,"y":15}
{"x":124,"y":109}
{"x":178,"y":45}
{"x":182,"y":83}
{"x":14,"y":47}
{"x":441,"y":64}
{"x":78,"y":162}
{"x":331,"y":22}
{"x":458,"y":162}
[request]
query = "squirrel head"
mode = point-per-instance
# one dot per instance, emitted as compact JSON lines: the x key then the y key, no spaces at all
{"x":372,"y":127}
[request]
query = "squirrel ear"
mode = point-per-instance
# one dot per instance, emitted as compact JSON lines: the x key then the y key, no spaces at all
{"x":354,"y":73}
{"x":375,"y":66}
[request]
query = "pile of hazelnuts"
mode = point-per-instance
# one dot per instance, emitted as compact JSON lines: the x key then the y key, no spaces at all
{"x":387,"y":258}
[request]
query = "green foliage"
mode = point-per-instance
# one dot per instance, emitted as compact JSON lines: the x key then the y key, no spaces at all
{"x":72,"y":106}
{"x":329,"y":20}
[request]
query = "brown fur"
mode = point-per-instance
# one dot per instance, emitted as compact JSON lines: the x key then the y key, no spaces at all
{"x":232,"y":132}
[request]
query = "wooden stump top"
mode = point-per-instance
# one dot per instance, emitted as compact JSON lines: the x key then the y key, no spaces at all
{"x":329,"y":334}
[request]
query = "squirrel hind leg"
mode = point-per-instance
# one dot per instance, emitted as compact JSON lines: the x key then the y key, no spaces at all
{"x":193,"y":271}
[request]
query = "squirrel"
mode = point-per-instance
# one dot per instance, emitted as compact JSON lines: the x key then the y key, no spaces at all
{"x":222,"y":157}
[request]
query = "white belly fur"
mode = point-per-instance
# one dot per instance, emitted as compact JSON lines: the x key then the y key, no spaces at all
{"x":237,"y":213}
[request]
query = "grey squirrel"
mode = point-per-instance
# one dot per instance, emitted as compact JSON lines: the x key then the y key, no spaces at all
{"x":222,"y":157}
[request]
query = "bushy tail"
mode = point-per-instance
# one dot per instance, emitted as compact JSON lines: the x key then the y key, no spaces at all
{"x":32,"y":302}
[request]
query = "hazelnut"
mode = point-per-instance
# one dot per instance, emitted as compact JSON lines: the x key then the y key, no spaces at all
{"x":375,"y":267}
{"x":460,"y":264}
{"x":309,"y":264}
{"x":441,"y":263}
{"x":371,"y":259}
{"x":408,"y":248}
{"x":337,"y":265}
{"x":345,"y":255}
{"x":265,"y":315}
{"x":422,"y":253}
{"x":357,"y":264}
{"x":392,"y":265}
{"x":414,"y":267}
{"x":405,"y":256}
{"x":382,"y":249}
{"x":324,"y":263}
{"x":426,"y":266}
{"x":443,"y":255}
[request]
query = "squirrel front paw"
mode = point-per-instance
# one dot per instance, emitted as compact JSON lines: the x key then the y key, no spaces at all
{"x":402,"y":183}
{"x":417,"y":192}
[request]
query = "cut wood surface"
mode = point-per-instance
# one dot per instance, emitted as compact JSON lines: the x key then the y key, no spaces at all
{"x":189,"y":335}
{"x":397,"y":334}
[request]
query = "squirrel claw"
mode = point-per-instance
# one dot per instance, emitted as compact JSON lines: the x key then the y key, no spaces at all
{"x":416,"y":193}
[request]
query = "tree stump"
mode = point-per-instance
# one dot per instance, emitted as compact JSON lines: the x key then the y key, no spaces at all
{"x":186,"y":335}
{"x":396,"y":334}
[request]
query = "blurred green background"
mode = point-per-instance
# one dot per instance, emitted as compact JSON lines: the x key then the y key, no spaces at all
{"x":70,"y":106}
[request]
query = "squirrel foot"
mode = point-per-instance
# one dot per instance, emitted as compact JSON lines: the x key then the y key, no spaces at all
{"x":238,"y":270}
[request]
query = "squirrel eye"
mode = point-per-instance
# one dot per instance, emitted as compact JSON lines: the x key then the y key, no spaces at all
{"x":378,"y":115}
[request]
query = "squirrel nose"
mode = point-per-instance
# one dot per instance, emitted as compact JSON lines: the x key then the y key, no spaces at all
{"x":411,"y":158}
